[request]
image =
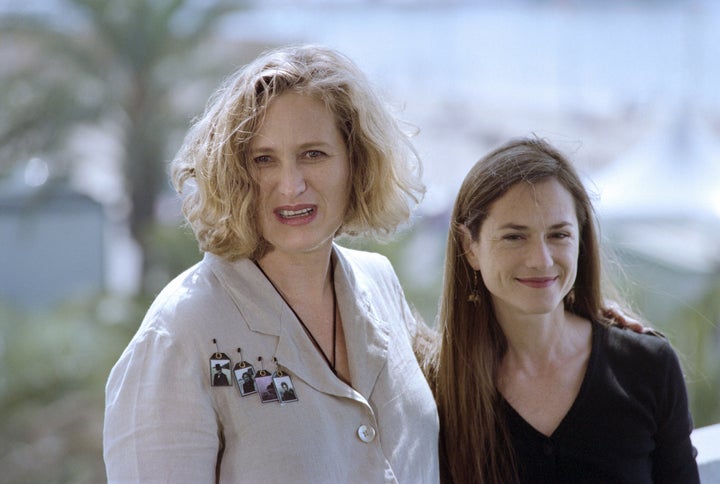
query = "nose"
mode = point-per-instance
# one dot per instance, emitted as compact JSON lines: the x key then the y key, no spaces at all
{"x":539,"y":255}
{"x":292,"y":180}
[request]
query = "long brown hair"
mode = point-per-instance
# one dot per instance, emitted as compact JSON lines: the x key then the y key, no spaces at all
{"x":474,"y":445}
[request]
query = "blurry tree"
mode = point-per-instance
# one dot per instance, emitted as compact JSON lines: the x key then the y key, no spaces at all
{"x":53,"y":367}
{"x":129,"y":67}
{"x":697,"y":337}
{"x":691,"y":322}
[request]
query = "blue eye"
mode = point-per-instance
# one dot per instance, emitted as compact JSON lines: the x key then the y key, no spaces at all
{"x":313,"y":154}
{"x":262,"y":159}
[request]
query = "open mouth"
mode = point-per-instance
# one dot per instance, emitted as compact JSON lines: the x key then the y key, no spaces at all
{"x":291,"y":214}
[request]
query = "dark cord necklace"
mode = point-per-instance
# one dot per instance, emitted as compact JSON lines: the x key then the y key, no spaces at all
{"x":330,"y":363}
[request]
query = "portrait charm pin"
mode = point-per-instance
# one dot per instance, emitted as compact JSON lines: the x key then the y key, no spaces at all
{"x":264,"y":384}
{"x":284,"y":388}
{"x":245,"y":376}
{"x":219,"y":368}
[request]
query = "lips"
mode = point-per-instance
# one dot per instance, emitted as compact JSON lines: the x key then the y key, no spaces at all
{"x":537,"y":282}
{"x":296,"y":214}
{"x":286,"y":213}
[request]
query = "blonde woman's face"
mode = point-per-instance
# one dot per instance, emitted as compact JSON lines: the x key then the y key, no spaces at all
{"x":527,"y":249}
{"x":303,"y":173}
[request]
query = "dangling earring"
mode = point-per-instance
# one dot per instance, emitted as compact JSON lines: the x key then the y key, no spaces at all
{"x":570,"y":298}
{"x":474,"y":296}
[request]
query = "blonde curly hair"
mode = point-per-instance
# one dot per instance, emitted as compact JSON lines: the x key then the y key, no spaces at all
{"x":212,"y":170}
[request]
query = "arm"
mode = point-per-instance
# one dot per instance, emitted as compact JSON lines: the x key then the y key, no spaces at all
{"x":159,"y":421}
{"x":674,"y":455}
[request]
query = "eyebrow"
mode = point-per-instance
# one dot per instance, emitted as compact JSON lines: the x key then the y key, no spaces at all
{"x":304,"y":146}
{"x":514,"y":226}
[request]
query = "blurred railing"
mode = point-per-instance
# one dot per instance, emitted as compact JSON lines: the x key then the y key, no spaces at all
{"x":707,"y":442}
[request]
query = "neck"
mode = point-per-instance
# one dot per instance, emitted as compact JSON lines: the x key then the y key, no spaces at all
{"x":306,"y":283}
{"x":299,"y":277}
{"x":538,"y":340}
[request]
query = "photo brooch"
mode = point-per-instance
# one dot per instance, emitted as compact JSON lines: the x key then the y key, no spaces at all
{"x":271,"y":387}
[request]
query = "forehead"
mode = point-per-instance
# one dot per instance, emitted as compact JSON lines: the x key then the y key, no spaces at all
{"x":297,"y":114}
{"x":544,"y":202}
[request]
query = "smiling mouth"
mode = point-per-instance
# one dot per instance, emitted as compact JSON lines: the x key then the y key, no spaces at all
{"x":537,"y":282}
{"x":290,"y":214}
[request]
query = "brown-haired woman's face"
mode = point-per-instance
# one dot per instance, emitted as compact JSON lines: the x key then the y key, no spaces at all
{"x":303,"y":172}
{"x":527,"y":249}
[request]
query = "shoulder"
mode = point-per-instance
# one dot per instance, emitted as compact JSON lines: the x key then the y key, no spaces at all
{"x":372,"y":279}
{"x":624,"y":339}
{"x":643,"y":351}
{"x":644,"y":366}
{"x":176,"y":334}
{"x":366,"y":266}
{"x":186,"y":310}
{"x":363,"y":260}
{"x":190,"y":294}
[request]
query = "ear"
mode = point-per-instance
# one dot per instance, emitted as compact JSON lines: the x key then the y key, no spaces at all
{"x":469,"y":247}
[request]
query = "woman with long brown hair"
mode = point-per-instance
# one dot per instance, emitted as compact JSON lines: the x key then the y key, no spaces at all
{"x":533,"y":382}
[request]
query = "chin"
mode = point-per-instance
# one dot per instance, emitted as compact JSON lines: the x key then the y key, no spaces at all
{"x":306,"y":246}
{"x":539,"y":307}
{"x":544,"y":309}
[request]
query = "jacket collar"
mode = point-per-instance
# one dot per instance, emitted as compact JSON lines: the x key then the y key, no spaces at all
{"x":264,"y":311}
{"x":366,"y":334}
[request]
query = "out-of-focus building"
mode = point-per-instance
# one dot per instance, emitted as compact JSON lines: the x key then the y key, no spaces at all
{"x":51,"y":244}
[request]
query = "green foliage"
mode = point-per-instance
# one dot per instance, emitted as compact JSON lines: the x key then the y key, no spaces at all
{"x":127,"y":65}
{"x":685,"y":307}
{"x":53,"y":368}
{"x":124,"y":68}
{"x":417,"y":255}
{"x":171,"y":249}
{"x":696,"y":336}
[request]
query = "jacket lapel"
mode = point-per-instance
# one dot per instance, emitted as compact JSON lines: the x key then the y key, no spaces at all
{"x":264,"y":311}
{"x":366,"y":335}
{"x":297,"y":353}
{"x":260,"y":306}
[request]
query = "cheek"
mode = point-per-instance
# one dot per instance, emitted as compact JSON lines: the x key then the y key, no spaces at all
{"x":572,"y":256}
{"x":260,"y":204}
{"x":343,"y":182}
{"x":261,"y":190}
{"x":570,"y":263}
{"x":345,"y":195}
{"x":344,"y":192}
{"x":488,"y":263}
{"x":263,"y":211}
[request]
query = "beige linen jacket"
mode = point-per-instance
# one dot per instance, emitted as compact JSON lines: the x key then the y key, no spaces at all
{"x":164,"y":422}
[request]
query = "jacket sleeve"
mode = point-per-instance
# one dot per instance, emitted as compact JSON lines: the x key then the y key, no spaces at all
{"x":159,"y":419}
{"x":674,"y":455}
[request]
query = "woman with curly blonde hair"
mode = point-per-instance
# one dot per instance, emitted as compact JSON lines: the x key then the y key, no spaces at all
{"x":292,"y":151}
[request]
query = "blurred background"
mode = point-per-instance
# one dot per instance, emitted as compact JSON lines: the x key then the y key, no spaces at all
{"x":95,"y":97}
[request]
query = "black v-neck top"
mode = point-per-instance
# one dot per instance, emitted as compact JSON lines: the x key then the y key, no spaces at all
{"x":629,"y":423}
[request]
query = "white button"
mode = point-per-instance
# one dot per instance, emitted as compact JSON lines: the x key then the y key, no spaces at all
{"x":366,"y":433}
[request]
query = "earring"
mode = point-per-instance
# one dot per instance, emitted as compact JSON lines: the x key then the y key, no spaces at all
{"x":570,"y":298}
{"x":474,"y":296}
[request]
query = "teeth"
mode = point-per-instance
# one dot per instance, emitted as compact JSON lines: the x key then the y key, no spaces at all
{"x":295,"y":213}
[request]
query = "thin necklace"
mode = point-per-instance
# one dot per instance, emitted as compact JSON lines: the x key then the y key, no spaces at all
{"x":330,"y":364}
